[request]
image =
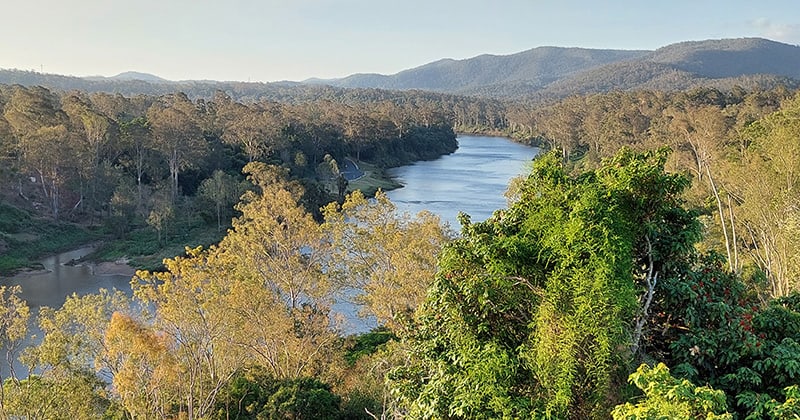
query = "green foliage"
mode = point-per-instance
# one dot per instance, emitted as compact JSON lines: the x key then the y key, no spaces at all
{"x":714,"y":331}
{"x":255,"y":394}
{"x":77,"y":395}
{"x":668,"y":398}
{"x":531,"y":310}
{"x":367,"y":343}
{"x":27,"y":238}
{"x":13,"y":220}
{"x":762,"y":406}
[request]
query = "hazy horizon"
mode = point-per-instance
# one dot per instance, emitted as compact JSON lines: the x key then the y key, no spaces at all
{"x":277,"y":40}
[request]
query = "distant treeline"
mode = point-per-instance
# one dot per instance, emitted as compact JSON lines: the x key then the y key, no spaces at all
{"x":95,"y":154}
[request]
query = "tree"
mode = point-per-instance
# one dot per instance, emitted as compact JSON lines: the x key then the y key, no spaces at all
{"x":136,"y":135}
{"x":41,"y":133}
{"x":94,"y":132}
{"x":221,"y":189}
{"x":70,"y":361}
{"x":388,"y":259}
{"x":193,"y":313}
{"x":713,"y":330}
{"x":161,"y":217}
{"x":146,"y":375}
{"x":254,"y":393}
{"x":277,"y":252}
{"x":59,"y":395}
{"x":767,"y":188}
{"x":251,"y":129}
{"x":177,"y":136}
{"x":52,"y":168}
{"x":534,"y":310}
{"x":278,"y":239}
{"x":259,"y":297}
{"x":73,"y":335}
{"x":14,"y":314}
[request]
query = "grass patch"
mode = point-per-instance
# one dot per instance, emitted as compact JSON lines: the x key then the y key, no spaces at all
{"x":28,"y":239}
{"x":142,"y":248}
{"x":13,"y":220}
{"x":374,"y":178}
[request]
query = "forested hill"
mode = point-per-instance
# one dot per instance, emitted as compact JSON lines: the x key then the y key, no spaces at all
{"x":722,"y":64}
{"x":548,"y":72}
{"x":534,"y":69}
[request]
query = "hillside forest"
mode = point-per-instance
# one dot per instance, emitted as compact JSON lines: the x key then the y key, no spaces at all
{"x":645,"y":267}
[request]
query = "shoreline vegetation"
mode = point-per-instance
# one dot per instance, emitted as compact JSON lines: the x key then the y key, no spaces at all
{"x":102,"y":262}
{"x":150,"y":175}
{"x":105,"y":260}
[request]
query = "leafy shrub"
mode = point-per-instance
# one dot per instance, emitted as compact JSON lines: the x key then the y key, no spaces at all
{"x":666,"y":397}
{"x":256,"y":394}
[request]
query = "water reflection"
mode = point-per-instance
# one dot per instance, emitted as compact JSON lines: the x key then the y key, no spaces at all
{"x":60,"y":279}
{"x":51,"y":286}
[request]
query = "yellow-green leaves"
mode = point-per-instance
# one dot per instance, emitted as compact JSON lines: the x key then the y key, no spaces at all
{"x":668,"y":398}
{"x":14,"y":314}
{"x":388,"y":258}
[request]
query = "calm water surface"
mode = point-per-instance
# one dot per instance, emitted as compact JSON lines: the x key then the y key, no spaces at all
{"x":51,"y":287}
{"x":470,"y":180}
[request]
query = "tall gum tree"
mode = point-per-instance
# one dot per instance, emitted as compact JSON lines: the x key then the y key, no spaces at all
{"x":177,"y":135}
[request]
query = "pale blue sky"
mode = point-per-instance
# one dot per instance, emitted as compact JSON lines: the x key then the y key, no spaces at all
{"x":272,"y":40}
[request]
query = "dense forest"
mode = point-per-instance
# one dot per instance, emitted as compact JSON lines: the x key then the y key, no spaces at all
{"x":170,"y":163}
{"x":645,"y":267}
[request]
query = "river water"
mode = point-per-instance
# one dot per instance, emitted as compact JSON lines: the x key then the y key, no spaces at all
{"x":51,"y":286}
{"x":471,"y":180}
{"x":59,"y":279}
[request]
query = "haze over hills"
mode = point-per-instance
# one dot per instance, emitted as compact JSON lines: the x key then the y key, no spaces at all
{"x":536,"y":67}
{"x":539,"y":73}
{"x":131,"y":75}
{"x":554,"y":71}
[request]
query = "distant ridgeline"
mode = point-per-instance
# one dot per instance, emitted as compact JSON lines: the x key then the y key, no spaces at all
{"x":540,"y":73}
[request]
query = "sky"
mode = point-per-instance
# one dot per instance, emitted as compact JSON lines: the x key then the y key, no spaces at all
{"x":273,"y":40}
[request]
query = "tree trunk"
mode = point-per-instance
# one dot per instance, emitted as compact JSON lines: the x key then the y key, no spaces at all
{"x":721,"y":218}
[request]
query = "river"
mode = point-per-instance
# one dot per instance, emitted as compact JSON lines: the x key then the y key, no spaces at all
{"x":51,"y":286}
{"x":472,"y":180}
{"x":59,"y":279}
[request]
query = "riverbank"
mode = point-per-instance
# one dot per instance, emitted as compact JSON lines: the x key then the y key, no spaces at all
{"x":120,"y":267}
{"x":26,"y":239}
{"x":374,"y":178}
{"x":80,"y":257}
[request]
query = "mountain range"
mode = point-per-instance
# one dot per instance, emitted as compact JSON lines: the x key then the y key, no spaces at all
{"x":556,"y":71}
{"x":538,"y":73}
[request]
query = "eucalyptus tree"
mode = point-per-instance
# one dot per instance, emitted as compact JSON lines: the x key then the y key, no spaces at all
{"x":93,"y":134}
{"x":766,"y":183}
{"x":388,"y":259}
{"x":136,"y":138}
{"x":43,"y":145}
{"x":176,"y":135}
{"x":221,"y":189}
